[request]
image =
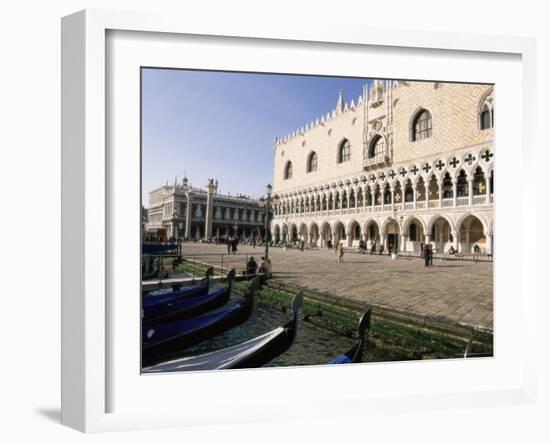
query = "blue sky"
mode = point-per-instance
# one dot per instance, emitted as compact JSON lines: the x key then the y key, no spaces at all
{"x":221,"y":125}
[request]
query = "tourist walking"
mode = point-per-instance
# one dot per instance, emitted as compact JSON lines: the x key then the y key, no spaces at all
{"x":302,"y":244}
{"x":228,"y":240}
{"x":361,"y":247}
{"x":340,"y":252}
{"x":430,"y":254}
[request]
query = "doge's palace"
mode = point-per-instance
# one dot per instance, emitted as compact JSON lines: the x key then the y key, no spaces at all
{"x":405,"y":163}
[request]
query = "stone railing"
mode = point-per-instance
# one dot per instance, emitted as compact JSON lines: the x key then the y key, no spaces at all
{"x":408,"y":206}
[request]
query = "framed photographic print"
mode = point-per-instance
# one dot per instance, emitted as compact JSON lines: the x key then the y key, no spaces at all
{"x":247,"y":210}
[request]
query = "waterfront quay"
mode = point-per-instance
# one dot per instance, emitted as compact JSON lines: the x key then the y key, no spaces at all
{"x":452,"y":293}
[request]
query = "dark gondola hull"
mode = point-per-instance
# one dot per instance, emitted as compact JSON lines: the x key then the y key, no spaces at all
{"x":176,"y":336}
{"x":149,"y":301}
{"x":154,"y":248}
{"x":277,"y":346}
{"x":355,"y":353}
{"x":253,"y":353}
{"x":186,"y":292}
{"x":187,"y":307}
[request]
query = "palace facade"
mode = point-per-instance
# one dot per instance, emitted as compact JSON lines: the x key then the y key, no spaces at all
{"x":405,"y":163}
{"x":191,"y":213}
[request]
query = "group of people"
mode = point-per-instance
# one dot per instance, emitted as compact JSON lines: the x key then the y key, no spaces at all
{"x":232,"y":243}
{"x":264,"y":268}
{"x":427,"y":252}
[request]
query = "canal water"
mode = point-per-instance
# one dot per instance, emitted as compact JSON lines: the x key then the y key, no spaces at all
{"x":313,"y":345}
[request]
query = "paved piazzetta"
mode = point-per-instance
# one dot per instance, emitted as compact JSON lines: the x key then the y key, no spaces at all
{"x":460,"y":291}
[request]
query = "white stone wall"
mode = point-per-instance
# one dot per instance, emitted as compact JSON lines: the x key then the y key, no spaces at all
{"x":457,"y":144}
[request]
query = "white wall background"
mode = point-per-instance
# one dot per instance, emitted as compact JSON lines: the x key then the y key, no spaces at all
{"x":30,"y":215}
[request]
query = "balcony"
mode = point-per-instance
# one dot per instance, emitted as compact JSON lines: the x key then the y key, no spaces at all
{"x":446,"y":203}
{"x":378,"y":160}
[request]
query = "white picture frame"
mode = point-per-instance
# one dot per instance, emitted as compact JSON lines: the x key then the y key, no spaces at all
{"x":86,"y":212}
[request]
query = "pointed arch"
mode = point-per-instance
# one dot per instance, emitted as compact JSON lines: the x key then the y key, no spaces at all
{"x":344,"y":151}
{"x":377,"y":147}
{"x":434,"y":218}
{"x":312,"y":162}
{"x":421,"y":124}
{"x":288,"y":170}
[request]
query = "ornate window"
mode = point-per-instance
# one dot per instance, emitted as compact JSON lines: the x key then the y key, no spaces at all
{"x":486,"y":117}
{"x":447,"y":186}
{"x":288,"y":170}
{"x":480,"y":186}
{"x":462,"y":184}
{"x":422,"y":126}
{"x":344,"y":151}
{"x":377,"y":147}
{"x":312,"y":162}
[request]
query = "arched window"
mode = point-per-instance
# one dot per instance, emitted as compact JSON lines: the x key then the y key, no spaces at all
{"x":422,"y":126}
{"x":447,"y":186}
{"x":377,"y":147}
{"x":485,"y":120}
{"x":312,"y":162}
{"x":486,"y":117}
{"x":288,"y":170}
{"x":462,"y":184}
{"x":344,"y":151}
{"x":480,"y":186}
{"x":413,"y":232}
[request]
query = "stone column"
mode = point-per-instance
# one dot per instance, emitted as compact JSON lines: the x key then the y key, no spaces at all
{"x":403,"y":242}
{"x":470,"y":192}
{"x":454,"y":193}
{"x":188,"y":216}
{"x":440,"y":192}
{"x":489,"y":238}
{"x":414,"y":196}
{"x":456,"y":240}
{"x":428,"y":238}
{"x":209,"y":210}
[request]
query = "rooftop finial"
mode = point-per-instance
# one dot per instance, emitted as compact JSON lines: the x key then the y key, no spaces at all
{"x":340,"y":102}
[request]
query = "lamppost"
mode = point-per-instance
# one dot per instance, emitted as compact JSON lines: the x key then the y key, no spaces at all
{"x":180,"y":237}
{"x":267,"y":204}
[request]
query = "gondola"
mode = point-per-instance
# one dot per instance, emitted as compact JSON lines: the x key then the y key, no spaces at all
{"x":184,"y":292}
{"x":165,"y":341}
{"x":250,"y":354}
{"x":355,"y":353}
{"x":185,"y":307}
{"x":155,"y":248}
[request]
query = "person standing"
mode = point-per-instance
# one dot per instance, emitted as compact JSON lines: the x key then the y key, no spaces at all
{"x":340,"y":252}
{"x":302,"y":244}
{"x":228,"y":241}
{"x":426,"y":254}
{"x":431,"y":255}
{"x":477,"y":250}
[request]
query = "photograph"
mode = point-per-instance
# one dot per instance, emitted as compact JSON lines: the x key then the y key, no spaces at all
{"x":301,"y":220}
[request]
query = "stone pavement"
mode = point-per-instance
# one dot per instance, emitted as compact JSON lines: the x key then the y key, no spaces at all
{"x":457,"y":291}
